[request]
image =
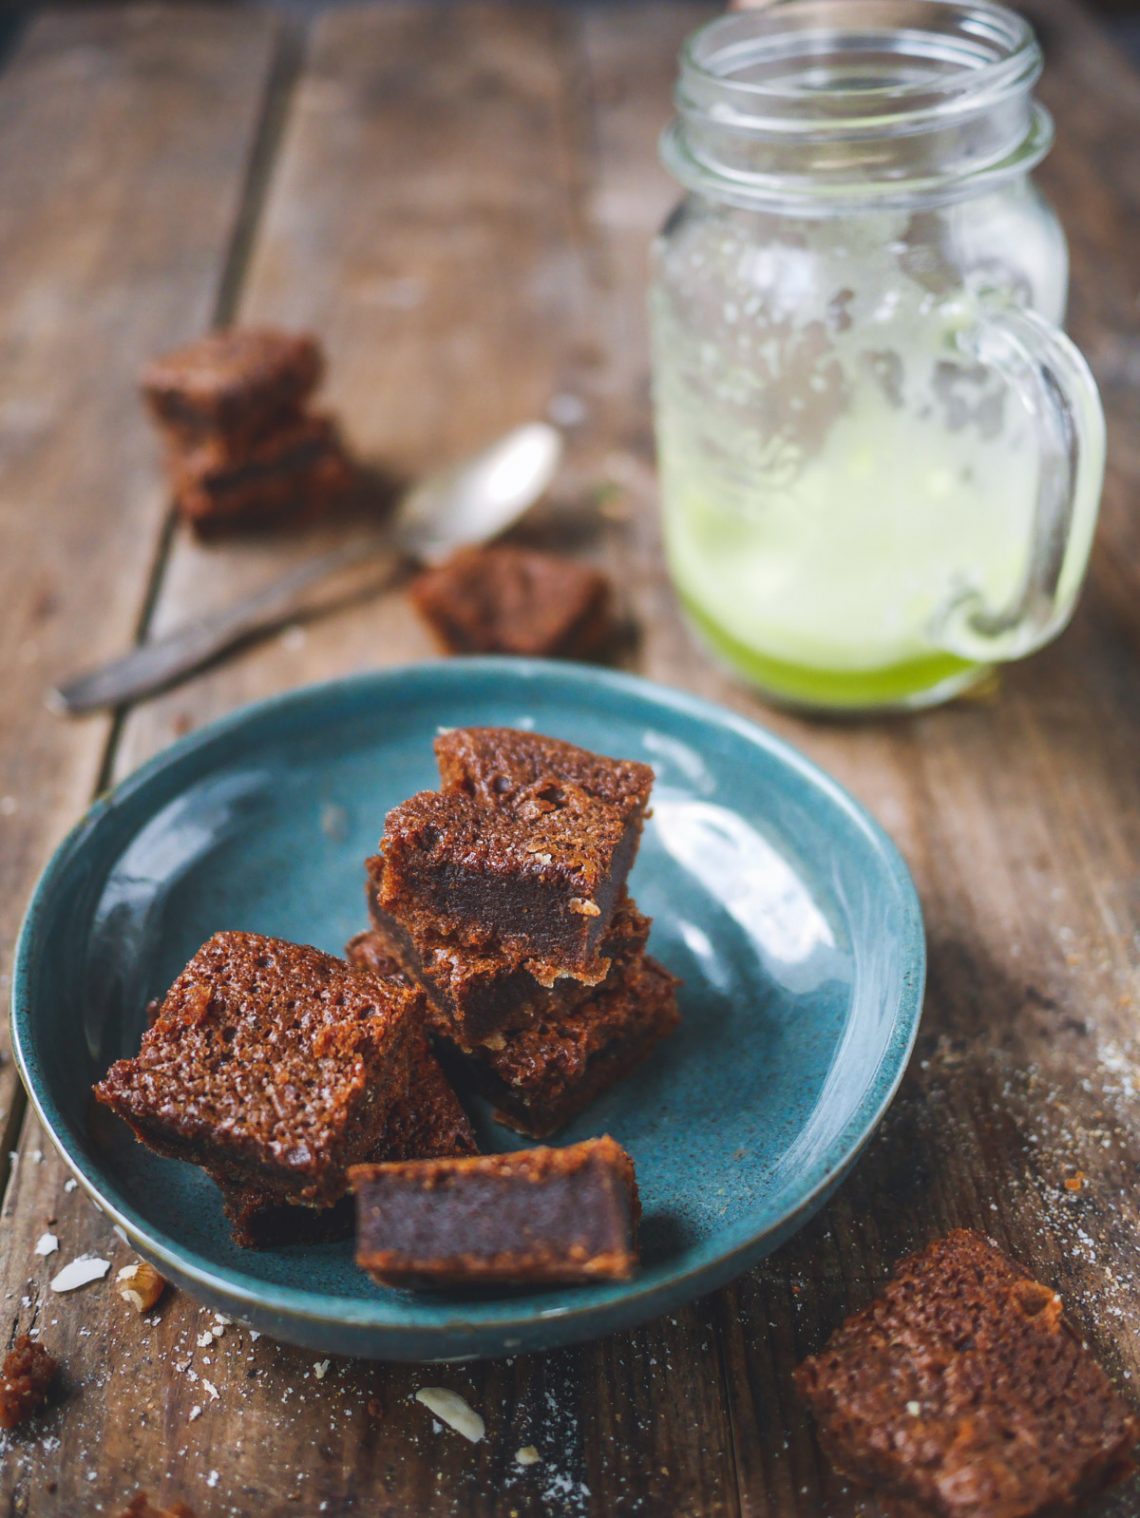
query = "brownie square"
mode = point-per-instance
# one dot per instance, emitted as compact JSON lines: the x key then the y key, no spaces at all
{"x":270,"y":1064}
{"x":504,"y":600}
{"x":542,"y":1076}
{"x":532,"y":1217}
{"x":426,"y":1123}
{"x":293,"y":474}
{"x":963,"y":1390}
{"x":475,"y":994}
{"x":236,"y":384}
{"x":526,"y":849}
{"x":542,"y":882}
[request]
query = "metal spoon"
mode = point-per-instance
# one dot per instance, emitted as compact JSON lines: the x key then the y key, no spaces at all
{"x":470,"y":502}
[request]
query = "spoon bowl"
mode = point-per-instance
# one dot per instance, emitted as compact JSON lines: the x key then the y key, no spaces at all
{"x":477,"y":499}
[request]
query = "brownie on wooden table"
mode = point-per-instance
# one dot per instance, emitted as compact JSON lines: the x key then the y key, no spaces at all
{"x":527,"y":848}
{"x":234,"y":385}
{"x":426,"y":1123}
{"x":271,"y":1065}
{"x":476,"y":994}
{"x":532,"y":1217}
{"x":962,"y":1390}
{"x":504,"y":600}
{"x":294,"y":474}
{"x":25,"y":1381}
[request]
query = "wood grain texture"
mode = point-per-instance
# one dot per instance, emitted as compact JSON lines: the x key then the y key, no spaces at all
{"x":125,"y":138}
{"x":462,"y":208}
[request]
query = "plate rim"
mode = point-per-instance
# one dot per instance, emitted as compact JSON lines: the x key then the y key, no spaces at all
{"x":620,"y":1304}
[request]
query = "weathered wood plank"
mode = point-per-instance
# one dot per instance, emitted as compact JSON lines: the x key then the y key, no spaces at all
{"x":120,"y":180}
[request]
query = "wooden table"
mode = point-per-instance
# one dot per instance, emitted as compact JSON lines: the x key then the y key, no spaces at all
{"x":460,"y":204}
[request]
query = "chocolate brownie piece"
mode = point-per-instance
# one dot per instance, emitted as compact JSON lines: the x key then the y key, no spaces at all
{"x":535,"y":1216}
{"x":235,"y":385}
{"x":503,"y":600}
{"x":527,"y":849}
{"x":475,"y":994}
{"x":426,"y":1123}
{"x":293,"y":474}
{"x":429,"y":1122}
{"x":271,"y":1064}
{"x":542,"y":1076}
{"x":963,"y":1390}
{"x":542,"y":883}
{"x":499,"y":766}
{"x":25,"y":1381}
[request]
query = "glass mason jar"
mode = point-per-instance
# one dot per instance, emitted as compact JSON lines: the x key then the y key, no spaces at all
{"x":881,"y":460}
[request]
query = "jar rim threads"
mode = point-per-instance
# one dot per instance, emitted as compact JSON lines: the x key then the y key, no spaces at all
{"x":832,"y":103}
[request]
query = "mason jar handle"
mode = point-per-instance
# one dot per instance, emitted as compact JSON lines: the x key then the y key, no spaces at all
{"x":1040,"y":363}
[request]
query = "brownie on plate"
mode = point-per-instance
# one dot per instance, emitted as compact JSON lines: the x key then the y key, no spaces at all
{"x":961,"y":1389}
{"x":234,"y":385}
{"x":271,"y":1065}
{"x":505,"y":600}
{"x":526,"y":850}
{"x":532,"y":1217}
{"x":541,"y":1077}
{"x":426,"y":1123}
{"x":478,"y":993}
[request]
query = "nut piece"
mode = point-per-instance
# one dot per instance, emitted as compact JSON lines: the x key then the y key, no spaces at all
{"x":140,"y":1285}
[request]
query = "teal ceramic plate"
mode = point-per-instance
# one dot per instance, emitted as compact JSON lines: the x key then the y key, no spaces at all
{"x":783,"y":906}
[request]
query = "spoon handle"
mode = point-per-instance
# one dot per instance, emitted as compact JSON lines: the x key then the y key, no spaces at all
{"x":164,"y":661}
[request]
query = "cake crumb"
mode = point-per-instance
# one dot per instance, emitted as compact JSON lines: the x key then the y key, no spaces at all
{"x":528,"y":1455}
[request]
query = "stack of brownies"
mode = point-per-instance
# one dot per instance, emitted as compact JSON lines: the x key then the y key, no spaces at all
{"x":243,"y":449}
{"x":503,"y":894}
{"x":504,"y":937}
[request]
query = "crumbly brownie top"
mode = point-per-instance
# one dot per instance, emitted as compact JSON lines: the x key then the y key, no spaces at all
{"x":502,"y":766}
{"x":529,"y":1166}
{"x":266,"y":1046}
{"x":25,"y":1381}
{"x":220,"y":378}
{"x":962,"y":1388}
{"x":555,"y":832}
{"x":501,"y":599}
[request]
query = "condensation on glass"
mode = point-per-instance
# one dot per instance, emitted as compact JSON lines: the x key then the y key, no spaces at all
{"x":880,"y":458}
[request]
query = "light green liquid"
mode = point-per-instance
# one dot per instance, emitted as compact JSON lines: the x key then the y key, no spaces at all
{"x":822,"y":570}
